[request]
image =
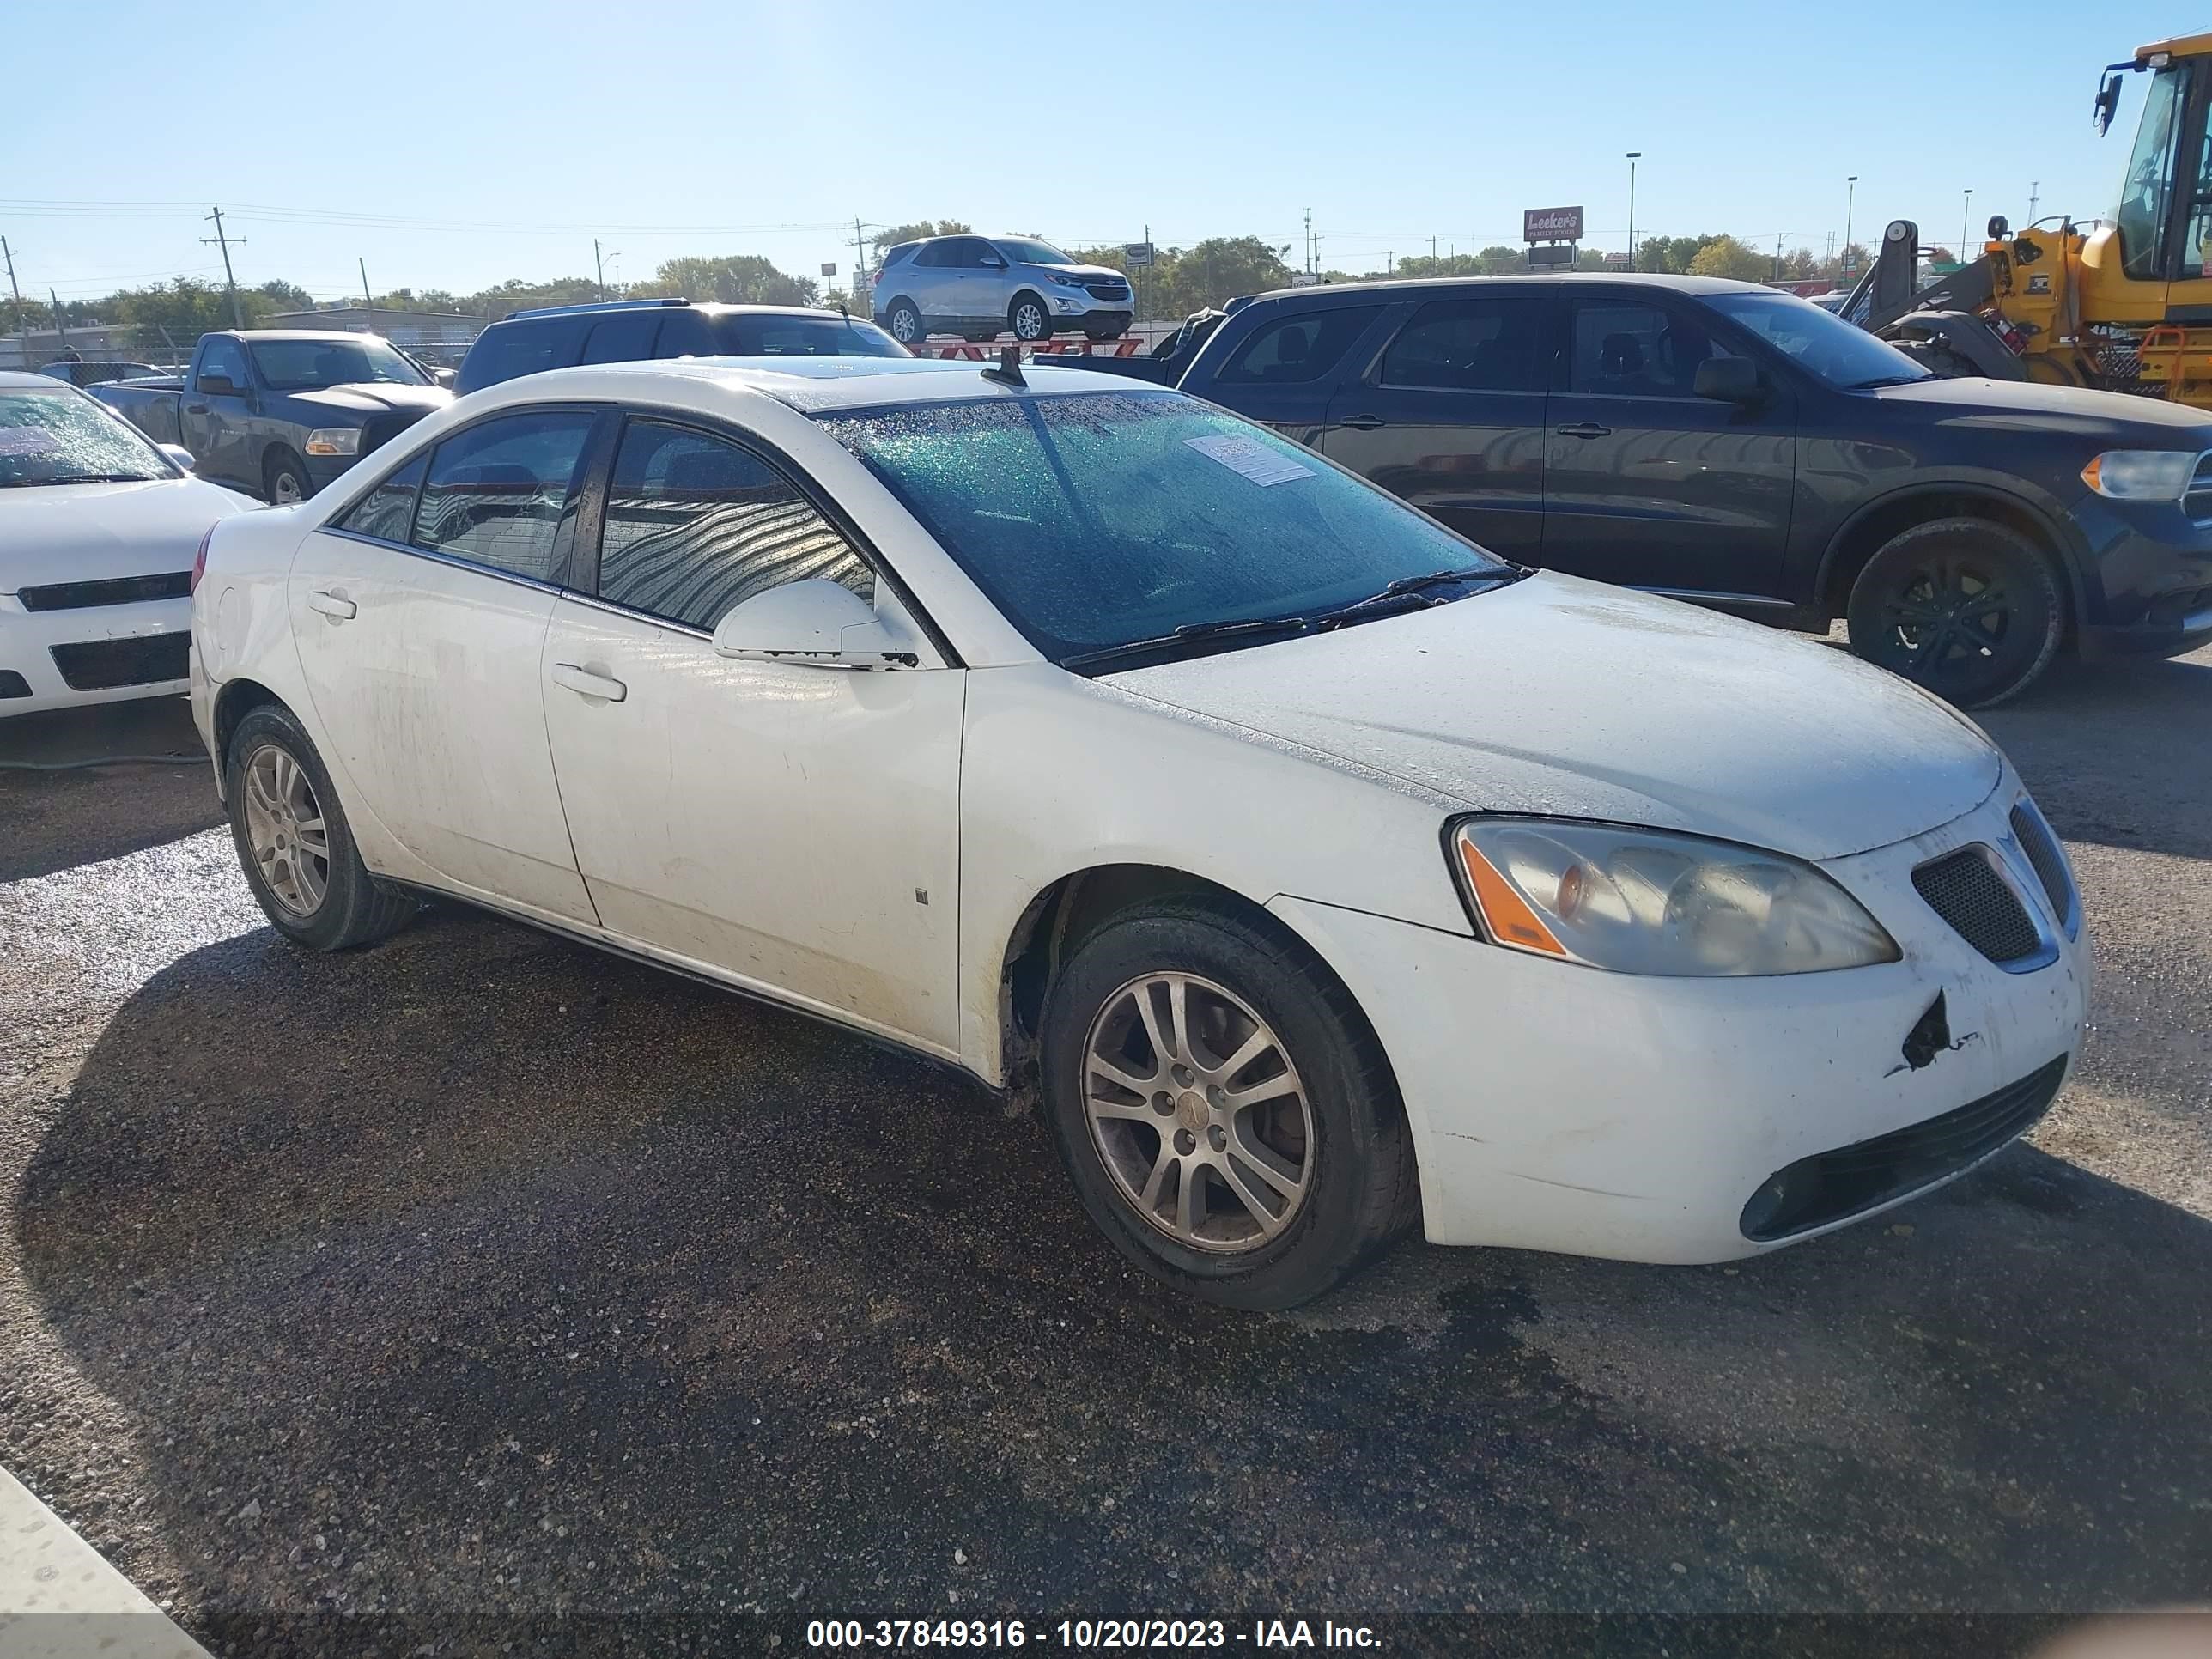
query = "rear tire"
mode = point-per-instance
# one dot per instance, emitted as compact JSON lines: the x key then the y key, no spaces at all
{"x":284,"y":481}
{"x":1324,"y":1151}
{"x":1968,"y":608}
{"x":1101,"y":335}
{"x":295,"y":844}
{"x":1030,"y":317}
{"x":904,"y":323}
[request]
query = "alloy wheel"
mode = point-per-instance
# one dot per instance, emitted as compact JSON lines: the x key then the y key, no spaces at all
{"x":285,"y":828}
{"x":1198,"y":1113}
{"x":1029,"y":321}
{"x":1946,"y":621}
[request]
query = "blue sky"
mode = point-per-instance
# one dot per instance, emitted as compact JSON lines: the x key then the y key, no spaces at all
{"x":455,"y":145}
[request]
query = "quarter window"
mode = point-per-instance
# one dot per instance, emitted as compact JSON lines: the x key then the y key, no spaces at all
{"x":696,"y":526}
{"x":1625,"y":349}
{"x":494,"y":493}
{"x":1299,"y":349}
{"x":387,"y":512}
{"x":1494,"y":344}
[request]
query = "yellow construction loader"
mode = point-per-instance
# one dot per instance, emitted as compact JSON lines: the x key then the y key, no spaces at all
{"x":2124,"y":303}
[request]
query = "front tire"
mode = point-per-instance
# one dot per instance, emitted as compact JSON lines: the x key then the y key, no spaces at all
{"x":284,"y":479}
{"x":1223,"y":1109}
{"x":904,"y":322}
{"x":1968,"y":608}
{"x":1030,"y":317}
{"x":294,"y":842}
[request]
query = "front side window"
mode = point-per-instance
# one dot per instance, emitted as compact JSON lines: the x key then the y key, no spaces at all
{"x":311,"y":365}
{"x":2148,"y":190}
{"x":772,"y":334}
{"x":1818,"y":341}
{"x":494,"y":494}
{"x":387,"y":512}
{"x":61,"y":437}
{"x":696,"y":526}
{"x":226,"y":358}
{"x":1298,"y":349}
{"x":1492,"y":343}
{"x":1626,"y":348}
{"x":1097,"y":519}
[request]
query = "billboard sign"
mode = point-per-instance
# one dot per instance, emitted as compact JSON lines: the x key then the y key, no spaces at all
{"x":1560,"y":224}
{"x":1551,"y":256}
{"x":1138,"y":254}
{"x":828,"y":268}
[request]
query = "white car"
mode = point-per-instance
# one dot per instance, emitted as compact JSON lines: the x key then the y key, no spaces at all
{"x":97,"y":529}
{"x":1324,"y":874}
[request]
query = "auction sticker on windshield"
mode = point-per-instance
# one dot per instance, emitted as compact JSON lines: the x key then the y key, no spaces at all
{"x":1264,"y":467}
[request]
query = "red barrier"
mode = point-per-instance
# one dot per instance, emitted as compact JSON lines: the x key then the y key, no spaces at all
{"x":988,"y":350}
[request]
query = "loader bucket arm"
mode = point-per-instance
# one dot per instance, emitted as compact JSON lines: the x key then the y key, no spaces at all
{"x":1890,"y":288}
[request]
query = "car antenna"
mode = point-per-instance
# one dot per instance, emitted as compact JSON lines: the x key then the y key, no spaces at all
{"x":1009,"y":371}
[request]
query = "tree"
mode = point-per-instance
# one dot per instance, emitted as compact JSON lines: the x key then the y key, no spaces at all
{"x":1803,"y":265}
{"x":518,"y":295}
{"x":1724,"y":256}
{"x":1180,"y":281}
{"x":175,"y":315}
{"x":894,"y":234}
{"x":288,"y":296}
{"x":733,"y":279}
{"x":1852,"y":263}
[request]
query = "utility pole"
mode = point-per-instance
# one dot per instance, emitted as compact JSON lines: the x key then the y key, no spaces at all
{"x":599,"y":269}
{"x":237,"y":314}
{"x":1966,"y":217}
{"x":368,"y":300}
{"x":61,"y":330}
{"x":1634,"y":155}
{"x":1391,"y":262}
{"x":861,"y":268}
{"x":1309,"y":247}
{"x":21,"y":333}
{"x":1432,"y":255}
{"x":1850,"y":201}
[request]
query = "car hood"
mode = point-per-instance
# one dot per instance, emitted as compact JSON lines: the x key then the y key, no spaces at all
{"x":2015,"y":402}
{"x":96,"y":532}
{"x":375,"y":398}
{"x":1573,"y":699}
{"x":1088,"y":273}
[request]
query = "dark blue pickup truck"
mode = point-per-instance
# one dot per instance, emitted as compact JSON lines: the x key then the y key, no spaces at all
{"x":280,"y":413}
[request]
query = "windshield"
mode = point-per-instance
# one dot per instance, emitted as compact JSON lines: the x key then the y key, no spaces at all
{"x":1818,"y":341}
{"x":1028,"y":251}
{"x":1105,"y":518}
{"x":310,"y":365}
{"x":760,"y":335}
{"x":61,"y":437}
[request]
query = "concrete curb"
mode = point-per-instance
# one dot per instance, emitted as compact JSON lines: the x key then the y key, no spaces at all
{"x":60,"y":1599}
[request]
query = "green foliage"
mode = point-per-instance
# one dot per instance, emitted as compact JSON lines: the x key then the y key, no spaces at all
{"x":732,"y":279}
{"x":892,"y":235}
{"x":1183,"y":280}
{"x":286,"y":296}
{"x":171,"y":316}
{"x":516,"y":295}
{"x":1724,"y":256}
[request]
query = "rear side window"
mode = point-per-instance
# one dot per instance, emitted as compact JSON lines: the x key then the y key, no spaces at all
{"x":506,"y":351}
{"x":494,"y":494}
{"x":696,"y":525}
{"x":1297,"y":349}
{"x":387,"y":512}
{"x":766,"y":334}
{"x":625,"y":338}
{"x":1492,"y":344}
{"x":934,"y":254}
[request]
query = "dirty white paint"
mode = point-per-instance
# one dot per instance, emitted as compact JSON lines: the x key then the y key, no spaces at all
{"x":60,"y":1599}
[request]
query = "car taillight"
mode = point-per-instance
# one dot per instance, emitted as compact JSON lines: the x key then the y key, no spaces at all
{"x":199,"y":560}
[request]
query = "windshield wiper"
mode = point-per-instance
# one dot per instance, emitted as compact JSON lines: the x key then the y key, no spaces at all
{"x":1389,"y":597}
{"x":1885,"y":380}
{"x":1189,"y":633}
{"x":84,"y":477}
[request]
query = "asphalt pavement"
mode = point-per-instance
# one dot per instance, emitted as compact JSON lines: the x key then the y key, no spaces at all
{"x":479,"y":1292}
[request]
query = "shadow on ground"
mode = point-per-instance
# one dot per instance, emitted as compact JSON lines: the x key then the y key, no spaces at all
{"x":479,"y":1276}
{"x":56,"y":820}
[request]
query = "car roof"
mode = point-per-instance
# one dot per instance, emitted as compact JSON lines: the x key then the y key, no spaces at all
{"x":1669,"y":282}
{"x":815,"y":386}
{"x":256,"y":335}
{"x":625,"y":308}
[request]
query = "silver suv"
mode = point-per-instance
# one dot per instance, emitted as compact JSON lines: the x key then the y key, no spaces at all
{"x":976,"y":285}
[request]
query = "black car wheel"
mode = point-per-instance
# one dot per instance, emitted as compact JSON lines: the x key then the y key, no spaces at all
{"x":1970,"y":609}
{"x":905,"y":323}
{"x":1029,"y":318}
{"x":1110,"y":332}
{"x":1222,"y":1106}
{"x":284,"y":479}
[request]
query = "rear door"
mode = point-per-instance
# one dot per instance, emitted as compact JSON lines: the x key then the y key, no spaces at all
{"x":931,"y":279}
{"x":1649,"y":485}
{"x":978,"y":284}
{"x":1283,"y":372}
{"x":1449,"y":415}
{"x":624,"y":336}
{"x":421,"y":621}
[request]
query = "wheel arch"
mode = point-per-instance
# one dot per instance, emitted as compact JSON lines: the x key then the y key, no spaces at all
{"x":1865,"y":532}
{"x":1035,"y":293}
{"x":236,"y":700}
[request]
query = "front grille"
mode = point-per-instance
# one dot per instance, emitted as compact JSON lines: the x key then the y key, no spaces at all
{"x":1108,"y":290}
{"x":2042,"y":850}
{"x":123,"y":590}
{"x":103,"y":665}
{"x":1828,"y":1187}
{"x":1964,"y":889}
{"x":13,"y":685}
{"x":2196,"y":500}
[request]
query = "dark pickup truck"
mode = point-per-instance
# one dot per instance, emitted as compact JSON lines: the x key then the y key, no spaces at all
{"x":1740,"y":447}
{"x":281,"y":412}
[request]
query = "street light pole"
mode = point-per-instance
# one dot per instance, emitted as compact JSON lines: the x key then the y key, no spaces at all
{"x":1633,"y":156}
{"x":1965,"y":218}
{"x":1850,"y":201}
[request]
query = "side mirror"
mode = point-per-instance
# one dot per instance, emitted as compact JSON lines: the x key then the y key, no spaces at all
{"x":2108,"y":100}
{"x":816,"y":623}
{"x":993,"y":262}
{"x":445,"y":377}
{"x":179,"y":455}
{"x":216,"y":386}
{"x":1728,"y":381}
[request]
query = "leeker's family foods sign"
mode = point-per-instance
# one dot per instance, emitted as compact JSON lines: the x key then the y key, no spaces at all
{"x":1552,"y":225}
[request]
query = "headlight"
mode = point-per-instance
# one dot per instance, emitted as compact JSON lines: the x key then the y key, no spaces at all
{"x":334,"y":440}
{"x":1065,"y":281}
{"x":1643,"y":901}
{"x":2142,"y":475}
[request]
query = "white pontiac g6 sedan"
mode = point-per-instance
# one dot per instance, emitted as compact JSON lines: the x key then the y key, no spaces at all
{"x":1326,"y":875}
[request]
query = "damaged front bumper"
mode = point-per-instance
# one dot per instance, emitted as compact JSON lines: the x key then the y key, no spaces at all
{"x":1565,"y":1108}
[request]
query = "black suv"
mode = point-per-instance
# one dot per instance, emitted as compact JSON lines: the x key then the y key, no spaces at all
{"x":1735,"y":445}
{"x":635,"y":330}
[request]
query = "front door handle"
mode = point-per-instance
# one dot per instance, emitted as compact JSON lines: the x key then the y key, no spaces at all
{"x":1362,"y":423}
{"x":336,"y":606}
{"x":1583,"y":430}
{"x":585,"y":683}
{"x":195,"y":409}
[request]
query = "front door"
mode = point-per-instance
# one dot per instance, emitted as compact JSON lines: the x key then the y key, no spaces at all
{"x":1649,"y":485}
{"x":797,"y":827}
{"x":213,"y":425}
{"x":1450,"y":417}
{"x":421,"y":620}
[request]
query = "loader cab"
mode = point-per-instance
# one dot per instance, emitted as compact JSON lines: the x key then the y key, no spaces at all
{"x":2163,"y":218}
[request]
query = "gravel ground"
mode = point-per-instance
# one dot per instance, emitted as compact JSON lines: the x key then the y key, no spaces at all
{"x":479,"y":1284}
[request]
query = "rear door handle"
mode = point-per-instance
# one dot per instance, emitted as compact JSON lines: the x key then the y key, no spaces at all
{"x":336,"y":606}
{"x":585,"y":683}
{"x":1362,"y":423}
{"x":1583,"y":430}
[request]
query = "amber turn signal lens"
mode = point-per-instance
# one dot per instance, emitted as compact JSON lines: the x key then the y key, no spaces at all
{"x":1504,"y":912}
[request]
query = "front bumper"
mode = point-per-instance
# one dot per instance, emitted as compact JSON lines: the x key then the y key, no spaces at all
{"x":1562,"y":1109}
{"x":2149,"y":570}
{"x":105,"y":649}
